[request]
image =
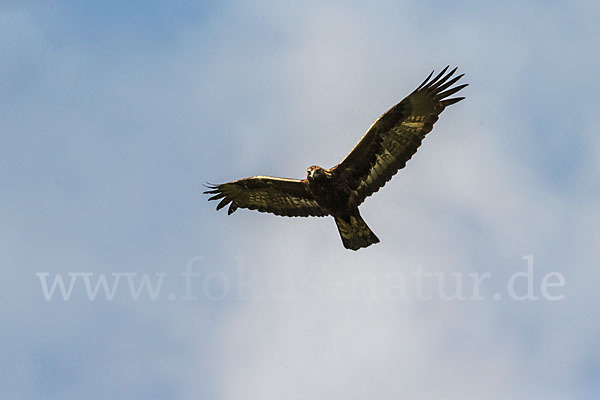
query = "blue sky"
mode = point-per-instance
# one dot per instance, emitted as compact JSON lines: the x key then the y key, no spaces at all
{"x":113,"y":115}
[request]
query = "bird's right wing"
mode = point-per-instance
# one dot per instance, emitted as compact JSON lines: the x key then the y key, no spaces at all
{"x":285,"y":197}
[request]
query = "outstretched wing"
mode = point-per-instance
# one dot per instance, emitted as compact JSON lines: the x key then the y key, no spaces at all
{"x":285,"y":197}
{"x":392,"y":140}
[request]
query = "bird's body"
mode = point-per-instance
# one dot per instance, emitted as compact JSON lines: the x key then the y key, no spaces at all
{"x":334,"y":196}
{"x":386,"y":147}
{"x":329,"y":190}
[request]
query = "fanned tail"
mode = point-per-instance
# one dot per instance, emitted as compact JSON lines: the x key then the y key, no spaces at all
{"x":355,"y":232}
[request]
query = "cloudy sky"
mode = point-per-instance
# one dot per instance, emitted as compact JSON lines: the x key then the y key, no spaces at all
{"x":113,"y":114}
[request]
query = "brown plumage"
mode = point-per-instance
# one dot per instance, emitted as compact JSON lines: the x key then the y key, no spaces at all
{"x":386,"y":147}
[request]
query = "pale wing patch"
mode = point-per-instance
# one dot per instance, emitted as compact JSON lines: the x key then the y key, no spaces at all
{"x":414,"y":122}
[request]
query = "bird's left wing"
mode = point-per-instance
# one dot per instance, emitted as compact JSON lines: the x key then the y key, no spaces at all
{"x":393,"y":139}
{"x":285,"y":197}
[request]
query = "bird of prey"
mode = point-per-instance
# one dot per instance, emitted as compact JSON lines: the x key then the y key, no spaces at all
{"x":338,"y":191}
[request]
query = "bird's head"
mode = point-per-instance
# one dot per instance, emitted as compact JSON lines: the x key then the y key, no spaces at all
{"x":315,"y":172}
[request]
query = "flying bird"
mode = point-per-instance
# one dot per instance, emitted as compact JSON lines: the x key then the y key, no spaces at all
{"x":338,"y":191}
